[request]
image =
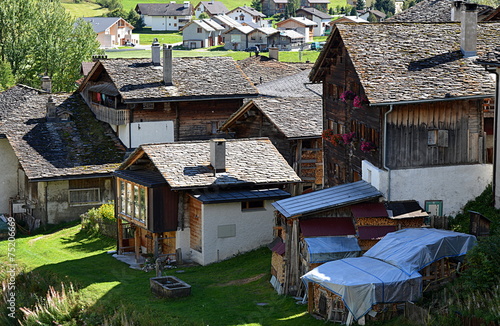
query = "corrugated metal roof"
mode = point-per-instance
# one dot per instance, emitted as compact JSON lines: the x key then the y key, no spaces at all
{"x":369,"y":210}
{"x":149,"y":179}
{"x":321,"y":200}
{"x":331,"y":226}
{"x":240,"y":195}
{"x":375,"y":232}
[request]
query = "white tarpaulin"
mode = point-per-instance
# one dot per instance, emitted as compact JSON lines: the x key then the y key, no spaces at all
{"x":412,"y":249}
{"x":323,"y":249}
{"x":364,"y":281}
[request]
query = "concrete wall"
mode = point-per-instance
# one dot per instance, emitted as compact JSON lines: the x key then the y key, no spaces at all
{"x":454,"y":185}
{"x":165,"y":23}
{"x":253,"y":229}
{"x":8,"y":175}
{"x":146,"y":133}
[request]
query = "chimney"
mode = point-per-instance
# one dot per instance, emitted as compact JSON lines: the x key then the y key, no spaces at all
{"x":186,"y":4}
{"x":47,"y":84}
{"x":456,"y":11}
{"x":51,"y":110}
{"x":218,"y":154}
{"x":167,"y":64}
{"x":468,"y":32}
{"x":274,"y":53}
{"x":155,"y":52}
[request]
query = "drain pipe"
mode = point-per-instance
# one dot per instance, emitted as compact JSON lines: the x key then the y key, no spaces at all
{"x":384,"y":158}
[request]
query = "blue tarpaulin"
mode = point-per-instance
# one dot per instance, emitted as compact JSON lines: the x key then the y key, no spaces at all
{"x":389,"y":271}
{"x":324,"y":249}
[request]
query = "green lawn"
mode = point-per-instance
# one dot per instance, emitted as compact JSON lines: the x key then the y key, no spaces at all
{"x":83,"y":9}
{"x":226,"y":293}
{"x":147,"y":36}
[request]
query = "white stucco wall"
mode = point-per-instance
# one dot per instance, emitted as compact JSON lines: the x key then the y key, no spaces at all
{"x":454,"y":185}
{"x":253,"y":229}
{"x":134,"y":134}
{"x":8,"y":177}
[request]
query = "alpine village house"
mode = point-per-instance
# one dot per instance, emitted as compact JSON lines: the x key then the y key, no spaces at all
{"x":404,"y":109}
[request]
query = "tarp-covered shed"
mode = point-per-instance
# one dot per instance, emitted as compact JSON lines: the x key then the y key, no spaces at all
{"x":389,"y":272}
{"x":324,"y":249}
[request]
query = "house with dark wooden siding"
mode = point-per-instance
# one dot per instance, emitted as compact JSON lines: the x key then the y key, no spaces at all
{"x":404,"y":109}
{"x":200,"y":201}
{"x":183,"y":99}
{"x":289,"y":112}
{"x":56,"y":159}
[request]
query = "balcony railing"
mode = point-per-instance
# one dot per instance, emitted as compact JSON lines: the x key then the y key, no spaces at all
{"x":110,"y":115}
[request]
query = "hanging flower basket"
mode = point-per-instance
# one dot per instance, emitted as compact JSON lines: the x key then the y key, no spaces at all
{"x":347,"y":96}
{"x":367,"y":146}
{"x":359,"y":101}
{"x":348,"y":138}
{"x":329,"y":136}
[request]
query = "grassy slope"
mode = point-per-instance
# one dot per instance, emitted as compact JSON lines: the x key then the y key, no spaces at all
{"x":83,"y":9}
{"x":220,"y":294}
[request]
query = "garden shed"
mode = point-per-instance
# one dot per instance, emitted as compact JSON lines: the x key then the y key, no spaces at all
{"x":397,"y":269}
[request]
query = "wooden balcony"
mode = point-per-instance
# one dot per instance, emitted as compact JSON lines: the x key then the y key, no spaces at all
{"x":110,"y":115}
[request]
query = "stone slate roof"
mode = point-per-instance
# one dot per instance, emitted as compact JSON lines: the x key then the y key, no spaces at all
{"x":491,"y":58}
{"x":432,"y":11}
{"x":257,"y":67}
{"x":163,"y":9}
{"x":213,"y":7}
{"x":315,"y":12}
{"x":187,"y":164}
{"x":82,"y":146}
{"x":294,"y":117}
{"x":296,"y":85}
{"x":203,"y":77}
{"x":413,"y":61}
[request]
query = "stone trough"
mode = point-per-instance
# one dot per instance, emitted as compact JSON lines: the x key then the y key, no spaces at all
{"x":169,"y":287}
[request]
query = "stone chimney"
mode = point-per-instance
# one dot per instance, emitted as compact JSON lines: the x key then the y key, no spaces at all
{"x":155,"y":52}
{"x":47,"y":84}
{"x":167,"y":64}
{"x":51,"y":114}
{"x":456,"y":11}
{"x":468,"y":31}
{"x":218,"y":154}
{"x":274,"y":53}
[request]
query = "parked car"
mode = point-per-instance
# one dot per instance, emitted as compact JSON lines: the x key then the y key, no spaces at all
{"x":129,"y":44}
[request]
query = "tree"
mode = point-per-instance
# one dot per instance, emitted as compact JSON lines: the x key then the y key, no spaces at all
{"x":353,"y":12}
{"x":291,"y":7}
{"x":203,"y":15}
{"x":360,"y":4}
{"x":6,"y":77}
{"x":372,"y":18}
{"x":256,"y":4}
{"x":386,"y":6}
{"x":331,"y":11}
{"x":39,"y":37}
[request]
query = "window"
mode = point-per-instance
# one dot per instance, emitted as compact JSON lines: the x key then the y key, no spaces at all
{"x":199,"y":30}
{"x":89,"y":196}
{"x":437,"y":137}
{"x":256,"y":204}
{"x":132,"y":200}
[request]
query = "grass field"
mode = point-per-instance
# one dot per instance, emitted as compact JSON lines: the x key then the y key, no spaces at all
{"x":286,"y":56}
{"x":89,"y":8}
{"x":233,"y":292}
{"x":147,"y":37}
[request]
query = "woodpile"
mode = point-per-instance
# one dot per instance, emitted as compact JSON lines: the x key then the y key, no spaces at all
{"x":278,"y":267}
{"x":382,"y":221}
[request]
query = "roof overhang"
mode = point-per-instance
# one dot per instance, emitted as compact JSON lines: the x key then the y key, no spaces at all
{"x":72,"y":177}
{"x":446,"y":99}
{"x":189,"y":98}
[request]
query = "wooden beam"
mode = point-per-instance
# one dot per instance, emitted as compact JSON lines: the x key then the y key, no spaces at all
{"x":137,"y":243}
{"x":310,"y":297}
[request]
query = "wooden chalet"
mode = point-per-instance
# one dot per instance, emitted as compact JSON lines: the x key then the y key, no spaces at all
{"x":290,"y":115}
{"x":407,"y":113}
{"x":183,"y":99}
{"x":199,"y":201}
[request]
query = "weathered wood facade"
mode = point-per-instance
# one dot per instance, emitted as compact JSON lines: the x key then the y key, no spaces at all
{"x":302,"y":150}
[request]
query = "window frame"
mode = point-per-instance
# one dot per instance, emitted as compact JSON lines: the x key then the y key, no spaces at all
{"x":84,"y":203}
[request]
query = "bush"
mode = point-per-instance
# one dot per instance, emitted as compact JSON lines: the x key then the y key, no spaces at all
{"x":101,"y":219}
{"x":483,"y":269}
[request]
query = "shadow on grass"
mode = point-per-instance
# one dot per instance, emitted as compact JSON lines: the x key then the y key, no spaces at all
{"x":235,"y":291}
{"x":87,"y":241}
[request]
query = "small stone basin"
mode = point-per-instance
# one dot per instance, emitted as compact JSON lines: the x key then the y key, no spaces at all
{"x":169,"y":287}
